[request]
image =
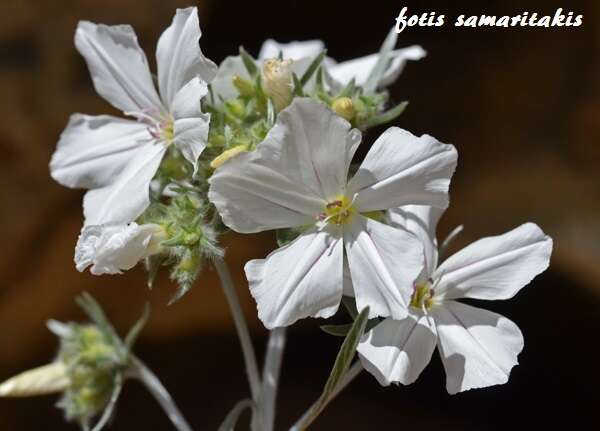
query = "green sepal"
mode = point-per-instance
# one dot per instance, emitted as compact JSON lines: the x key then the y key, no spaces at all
{"x":387,"y":116}
{"x":382,"y":62}
{"x":249,"y":62}
{"x":337,"y":330}
{"x":297,"y":86}
{"x":312,"y":68}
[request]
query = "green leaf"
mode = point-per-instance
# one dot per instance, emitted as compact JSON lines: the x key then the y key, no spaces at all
{"x":248,"y":61}
{"x":382,"y":62}
{"x":136,"y":329}
{"x":341,"y":365}
{"x":312,"y":68}
{"x":233,"y":416}
{"x":387,"y":116}
{"x":320,"y":85}
{"x":337,"y":330}
{"x":285,"y":236}
{"x":297,"y":86}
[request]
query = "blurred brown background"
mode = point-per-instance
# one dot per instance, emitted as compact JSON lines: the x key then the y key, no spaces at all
{"x":522,"y":106}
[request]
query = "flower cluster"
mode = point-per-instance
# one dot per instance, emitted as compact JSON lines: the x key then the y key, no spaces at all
{"x":267,"y":144}
{"x":89,"y":369}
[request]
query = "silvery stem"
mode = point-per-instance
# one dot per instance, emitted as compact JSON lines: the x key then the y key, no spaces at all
{"x":155,"y":387}
{"x":241,"y":327}
{"x":313,"y":412}
{"x":272,"y":368}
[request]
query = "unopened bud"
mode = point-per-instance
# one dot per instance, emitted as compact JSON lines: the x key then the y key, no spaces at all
{"x":277,"y":81}
{"x":236,"y":107}
{"x":228,"y":154}
{"x":243,"y":86}
{"x":344,"y":107}
{"x":43,"y":380}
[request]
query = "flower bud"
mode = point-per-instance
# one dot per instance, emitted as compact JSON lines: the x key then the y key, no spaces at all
{"x":236,"y":107}
{"x":228,"y":154}
{"x":344,"y":107}
{"x":243,"y":86}
{"x":92,"y":361}
{"x":43,"y":380}
{"x":277,"y":81}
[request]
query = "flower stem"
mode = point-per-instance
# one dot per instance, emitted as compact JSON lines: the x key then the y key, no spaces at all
{"x":272,"y":368}
{"x":241,"y":326}
{"x":141,"y":372}
{"x":313,"y":412}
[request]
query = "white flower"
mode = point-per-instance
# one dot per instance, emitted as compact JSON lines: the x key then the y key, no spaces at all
{"x":109,"y":249}
{"x":478,"y":348}
{"x":297,"y":177}
{"x":117,"y":158}
{"x":341,"y":73}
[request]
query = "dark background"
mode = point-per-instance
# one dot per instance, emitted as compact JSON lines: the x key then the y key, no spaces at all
{"x":522,"y":106}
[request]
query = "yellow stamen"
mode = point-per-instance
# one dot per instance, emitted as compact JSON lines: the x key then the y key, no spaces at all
{"x":339,"y":211}
{"x":228,"y":154}
{"x":422,"y":297}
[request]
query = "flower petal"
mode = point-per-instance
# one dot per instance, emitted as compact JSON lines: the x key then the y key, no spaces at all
{"x":191,"y":125}
{"x":374,"y":252}
{"x":93,"y":150}
{"x":285,"y":182}
{"x":495,"y":267}
{"x":402,"y":169}
{"x":478,"y":347}
{"x":128,"y":196}
{"x":118,"y":66}
{"x":294,"y":50}
{"x":422,"y":221}
{"x":112,"y":248}
{"x":178,"y":55}
{"x":398,"y":350}
{"x":301,"y":279}
{"x":324,"y":144}
{"x":360,"y":68}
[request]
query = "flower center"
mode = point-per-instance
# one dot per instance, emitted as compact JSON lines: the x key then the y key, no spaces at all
{"x":162,"y":130}
{"x":422,"y":297}
{"x":160,"y":126}
{"x":338,"y":211}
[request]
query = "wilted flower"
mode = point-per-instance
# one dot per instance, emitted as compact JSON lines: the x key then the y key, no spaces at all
{"x":297,"y":177}
{"x":110,"y":249}
{"x":478,"y":348}
{"x":117,"y":158}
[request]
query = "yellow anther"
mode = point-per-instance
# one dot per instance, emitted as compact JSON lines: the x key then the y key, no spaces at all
{"x":422,"y":297}
{"x":228,"y":154}
{"x":339,"y":211}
